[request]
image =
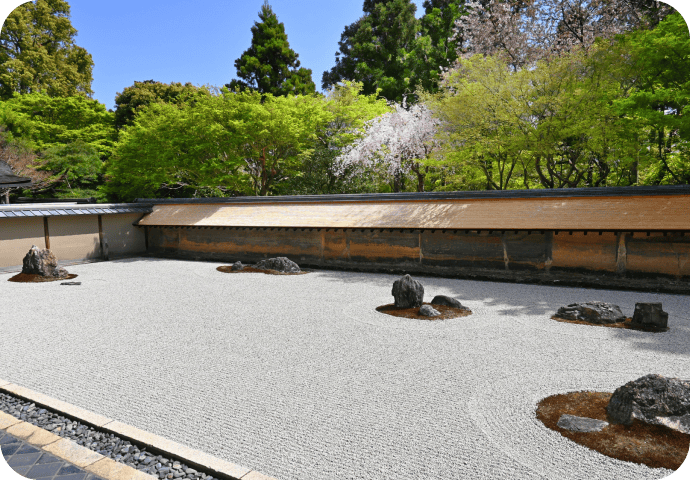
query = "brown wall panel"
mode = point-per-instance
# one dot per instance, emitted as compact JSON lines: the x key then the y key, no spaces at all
{"x":669,"y":255}
{"x":252,"y":245}
{"x":440,"y":251}
{"x":383,"y":246}
{"x":335,"y":246}
{"x":460,"y":249}
{"x":588,"y":252}
{"x":164,"y":239}
{"x":527,"y":250}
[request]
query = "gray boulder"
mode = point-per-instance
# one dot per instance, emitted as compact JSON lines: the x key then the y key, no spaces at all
{"x":581,"y":424}
{"x":41,"y":261}
{"x":447,"y":301}
{"x":428,"y":311}
{"x":650,"y":314}
{"x":408,"y":292}
{"x":653,"y":399}
{"x":594,"y":312}
{"x":237,"y":266}
{"x":281,"y":264}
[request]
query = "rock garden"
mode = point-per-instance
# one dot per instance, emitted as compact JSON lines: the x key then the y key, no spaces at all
{"x":645,"y":421}
{"x":409,"y":303}
{"x":270,"y":266}
{"x":41,"y":265}
{"x":648,"y":317}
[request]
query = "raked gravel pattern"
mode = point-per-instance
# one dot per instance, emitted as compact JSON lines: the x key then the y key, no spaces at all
{"x":299,"y":377}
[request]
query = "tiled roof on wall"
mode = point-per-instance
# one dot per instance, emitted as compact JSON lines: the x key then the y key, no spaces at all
{"x":52,"y":210}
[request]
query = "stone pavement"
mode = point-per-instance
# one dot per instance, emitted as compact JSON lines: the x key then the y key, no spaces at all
{"x":34,"y":463}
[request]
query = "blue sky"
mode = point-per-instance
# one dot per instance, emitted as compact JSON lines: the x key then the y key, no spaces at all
{"x":198,"y":41}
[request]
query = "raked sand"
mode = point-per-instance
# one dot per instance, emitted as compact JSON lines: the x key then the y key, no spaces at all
{"x":299,"y":377}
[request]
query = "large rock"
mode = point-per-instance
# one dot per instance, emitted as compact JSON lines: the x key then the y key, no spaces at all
{"x":581,"y":424}
{"x":650,"y":314}
{"x":652,"y":399}
{"x":594,"y":312}
{"x":408,"y":292}
{"x":448,"y":301}
{"x":237,"y":266}
{"x":41,"y":261}
{"x":428,"y":311}
{"x":281,"y":264}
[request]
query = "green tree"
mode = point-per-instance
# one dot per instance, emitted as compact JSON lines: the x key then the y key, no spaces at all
{"x":377,"y":49}
{"x":485,"y":124}
{"x":321,"y":172}
{"x":135,"y":98}
{"x":47,"y":122}
{"x":270,"y":65}
{"x":38,"y":53}
{"x":223,"y":143}
{"x":659,"y":97}
{"x":76,"y":165}
{"x":176,"y":150}
{"x":436,"y":46}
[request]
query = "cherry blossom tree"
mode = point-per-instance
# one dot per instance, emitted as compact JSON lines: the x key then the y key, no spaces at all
{"x":526,"y":31}
{"x":399,"y":142}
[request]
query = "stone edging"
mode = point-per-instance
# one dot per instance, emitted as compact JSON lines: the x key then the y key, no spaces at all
{"x":95,"y":462}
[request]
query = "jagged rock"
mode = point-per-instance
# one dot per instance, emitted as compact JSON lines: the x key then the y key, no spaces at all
{"x":428,"y":311}
{"x":653,"y":399}
{"x":281,"y":264}
{"x":650,"y":314}
{"x":41,"y":261}
{"x":448,"y":301}
{"x":237,"y":266}
{"x":581,"y":424}
{"x":594,"y":312}
{"x":408,"y":292}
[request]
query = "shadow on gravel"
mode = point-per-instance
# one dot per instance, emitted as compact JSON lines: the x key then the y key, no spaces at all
{"x":511,"y":299}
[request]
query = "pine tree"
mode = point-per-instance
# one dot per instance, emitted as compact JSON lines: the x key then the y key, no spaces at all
{"x":377,"y":50}
{"x":37,"y":52}
{"x":270,"y":65}
{"x":437,"y":45}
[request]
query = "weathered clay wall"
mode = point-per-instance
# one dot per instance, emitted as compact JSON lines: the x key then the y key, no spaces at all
{"x":17,"y":235}
{"x":417,"y":250}
{"x":70,"y":237}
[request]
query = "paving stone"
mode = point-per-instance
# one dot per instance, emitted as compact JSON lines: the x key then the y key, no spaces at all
{"x":21,"y":460}
{"x":43,"y":470}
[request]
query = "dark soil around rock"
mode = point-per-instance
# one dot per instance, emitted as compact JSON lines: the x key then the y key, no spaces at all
{"x":652,"y":445}
{"x":625,"y":324}
{"x":246,"y":269}
{"x":413,"y":312}
{"x":35,"y":278}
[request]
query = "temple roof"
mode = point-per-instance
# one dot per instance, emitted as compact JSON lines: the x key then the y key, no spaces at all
{"x":9,"y":179}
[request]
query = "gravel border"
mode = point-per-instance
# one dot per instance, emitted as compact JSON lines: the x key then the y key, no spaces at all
{"x":107,"y":444}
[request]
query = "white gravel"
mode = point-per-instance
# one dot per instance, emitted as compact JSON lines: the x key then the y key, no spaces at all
{"x":299,"y":377}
